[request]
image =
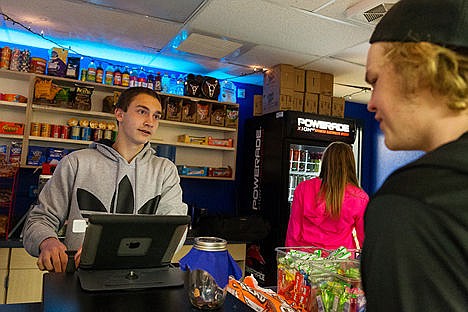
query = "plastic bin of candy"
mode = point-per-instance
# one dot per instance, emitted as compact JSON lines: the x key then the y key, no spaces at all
{"x":320,"y":280}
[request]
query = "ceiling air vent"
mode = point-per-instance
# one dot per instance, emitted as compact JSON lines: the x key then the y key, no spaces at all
{"x":368,"y":12}
{"x":377,"y":12}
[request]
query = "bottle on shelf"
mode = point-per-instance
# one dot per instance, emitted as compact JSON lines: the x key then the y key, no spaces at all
{"x":133,"y":82}
{"x":99,"y":73}
{"x":125,"y":77}
{"x":142,"y":78}
{"x":150,"y":80}
{"x":117,"y":77}
{"x":165,"y":83}
{"x":109,"y":75}
{"x":91,"y":75}
{"x":180,"y":85}
{"x":173,"y":84}
{"x":157,"y":82}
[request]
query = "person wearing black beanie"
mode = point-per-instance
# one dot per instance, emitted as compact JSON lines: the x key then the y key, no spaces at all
{"x":415,"y":253}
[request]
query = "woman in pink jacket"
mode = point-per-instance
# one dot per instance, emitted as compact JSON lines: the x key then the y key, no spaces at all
{"x":326,"y":209}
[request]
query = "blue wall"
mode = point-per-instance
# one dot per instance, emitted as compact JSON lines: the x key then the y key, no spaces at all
{"x":378,"y":162}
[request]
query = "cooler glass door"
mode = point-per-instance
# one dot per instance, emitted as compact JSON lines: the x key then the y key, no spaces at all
{"x":304,"y":164}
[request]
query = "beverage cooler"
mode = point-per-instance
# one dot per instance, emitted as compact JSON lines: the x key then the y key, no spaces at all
{"x":282,"y":150}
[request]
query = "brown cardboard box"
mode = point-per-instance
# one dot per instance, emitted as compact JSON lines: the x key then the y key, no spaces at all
{"x":311,"y":101}
{"x":278,"y":88}
{"x":318,"y":82}
{"x":312,"y":81}
{"x":326,"y":84}
{"x":189,"y":111}
{"x":203,"y":113}
{"x":277,"y":99}
{"x":324,"y":107}
{"x":338,"y":106}
{"x":232,"y":116}
{"x":258,"y":105}
{"x":173,"y":108}
{"x":281,"y":76}
{"x":299,"y":85}
{"x":298,"y":101}
{"x":218,"y":114}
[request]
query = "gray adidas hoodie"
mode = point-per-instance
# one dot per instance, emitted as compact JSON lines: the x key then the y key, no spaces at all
{"x":99,"y":180}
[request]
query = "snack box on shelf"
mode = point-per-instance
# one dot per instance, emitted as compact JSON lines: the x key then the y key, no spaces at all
{"x":11,"y":97}
{"x":190,"y":139}
{"x":222,"y":172}
{"x":192,"y":171}
{"x":7,"y":127}
{"x":220,"y":142}
{"x":319,"y":279}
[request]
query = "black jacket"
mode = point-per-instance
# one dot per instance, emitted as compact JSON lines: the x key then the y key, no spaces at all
{"x":415,"y":255}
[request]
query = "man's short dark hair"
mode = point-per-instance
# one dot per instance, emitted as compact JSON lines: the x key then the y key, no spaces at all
{"x":128,"y":95}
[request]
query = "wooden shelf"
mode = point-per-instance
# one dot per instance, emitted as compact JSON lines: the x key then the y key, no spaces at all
{"x":11,"y":136}
{"x":167,"y":133}
{"x":13,"y":105}
{"x":69,"y":111}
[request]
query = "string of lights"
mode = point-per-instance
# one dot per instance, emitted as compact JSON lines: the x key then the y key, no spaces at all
{"x":40,"y":34}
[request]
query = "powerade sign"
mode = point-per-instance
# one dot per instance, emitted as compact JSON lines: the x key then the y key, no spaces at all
{"x":257,"y":173}
{"x":311,"y":125}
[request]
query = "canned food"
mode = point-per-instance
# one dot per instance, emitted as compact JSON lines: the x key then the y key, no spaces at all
{"x":35,"y":129}
{"x":98,"y":134}
{"x":55,"y":131}
{"x":5,"y":59}
{"x":45,"y":130}
{"x":84,"y":74}
{"x":86,"y":134}
{"x":75,"y":133}
{"x":37,"y":65}
{"x":108,"y":134}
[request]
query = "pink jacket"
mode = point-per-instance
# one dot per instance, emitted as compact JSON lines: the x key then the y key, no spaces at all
{"x":309,"y":225}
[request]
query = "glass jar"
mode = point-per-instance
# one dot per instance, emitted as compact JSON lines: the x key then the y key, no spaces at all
{"x":204,"y":291}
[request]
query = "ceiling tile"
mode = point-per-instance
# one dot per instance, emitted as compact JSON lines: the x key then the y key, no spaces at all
{"x":65,"y":20}
{"x":177,"y":11}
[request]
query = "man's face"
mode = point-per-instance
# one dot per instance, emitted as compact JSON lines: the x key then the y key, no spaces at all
{"x":401,"y":117}
{"x":141,"y":119}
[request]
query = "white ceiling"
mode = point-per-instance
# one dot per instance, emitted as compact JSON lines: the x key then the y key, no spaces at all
{"x":229,"y":36}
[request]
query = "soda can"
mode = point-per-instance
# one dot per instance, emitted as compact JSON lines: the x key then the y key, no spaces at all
{"x":75,"y":133}
{"x":55,"y":132}
{"x":86,"y":134}
{"x":45,"y":130}
{"x":65,"y":132}
{"x":35,"y":129}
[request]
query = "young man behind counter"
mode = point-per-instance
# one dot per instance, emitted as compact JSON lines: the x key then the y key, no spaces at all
{"x":123,"y":177}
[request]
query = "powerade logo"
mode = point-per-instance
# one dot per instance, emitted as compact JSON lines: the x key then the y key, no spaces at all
{"x":320,"y":126}
{"x":256,"y":190}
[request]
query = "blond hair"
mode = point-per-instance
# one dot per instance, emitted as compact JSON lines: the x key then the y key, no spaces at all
{"x":338,"y":169}
{"x":427,"y":65}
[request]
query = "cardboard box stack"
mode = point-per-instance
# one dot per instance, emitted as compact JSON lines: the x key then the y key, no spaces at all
{"x":289,"y":88}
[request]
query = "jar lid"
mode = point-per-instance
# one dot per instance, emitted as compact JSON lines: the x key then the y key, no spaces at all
{"x":210,"y":244}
